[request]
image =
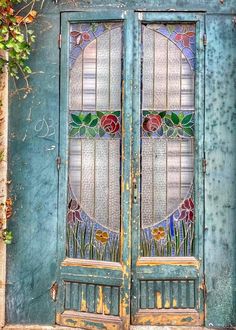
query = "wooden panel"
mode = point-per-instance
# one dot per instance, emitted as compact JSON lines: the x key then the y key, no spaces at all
{"x":169,"y":317}
{"x":90,"y":298}
{"x":89,"y":321}
{"x":167,"y":294}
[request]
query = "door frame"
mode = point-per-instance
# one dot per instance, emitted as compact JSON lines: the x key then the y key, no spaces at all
{"x":126,"y":271}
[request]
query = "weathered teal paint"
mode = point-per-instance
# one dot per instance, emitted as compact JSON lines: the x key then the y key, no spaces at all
{"x":220,"y":238}
{"x":34,"y":255}
{"x":33,"y":148}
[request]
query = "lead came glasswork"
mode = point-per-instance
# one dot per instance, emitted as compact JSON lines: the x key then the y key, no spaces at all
{"x":93,"y":217}
{"x":167,"y":126}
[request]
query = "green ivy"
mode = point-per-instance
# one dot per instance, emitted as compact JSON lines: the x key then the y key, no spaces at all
{"x":16,"y":38}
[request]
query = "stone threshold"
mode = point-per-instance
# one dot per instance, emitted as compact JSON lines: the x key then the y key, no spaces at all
{"x":44,"y":327}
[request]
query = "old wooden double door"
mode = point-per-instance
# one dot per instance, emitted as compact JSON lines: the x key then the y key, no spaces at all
{"x":131,"y":182}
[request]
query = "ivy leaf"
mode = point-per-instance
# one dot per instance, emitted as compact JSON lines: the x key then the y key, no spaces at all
{"x":170,"y":132}
{"x":94,"y":122}
{"x":82,"y":131}
{"x":186,"y":119}
{"x":162,"y":114}
{"x":91,"y":132}
{"x":168,"y":122}
{"x":116,"y":113}
{"x":74,"y":124}
{"x":180,"y":132}
{"x":74,"y":131}
{"x":76,"y":119}
{"x":87,"y":119}
{"x":188,"y":131}
{"x":170,"y":28}
{"x":175,"y":118}
{"x":101,"y":132}
{"x":160,"y":131}
{"x":181,"y":116}
{"x":99,"y":114}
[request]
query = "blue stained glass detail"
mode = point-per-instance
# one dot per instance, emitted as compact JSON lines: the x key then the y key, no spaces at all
{"x":183,"y":36}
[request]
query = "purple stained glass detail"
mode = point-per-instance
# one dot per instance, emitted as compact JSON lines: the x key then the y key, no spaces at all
{"x":173,"y":236}
{"x":81,"y":35}
{"x":182,"y":35}
{"x":87,"y":239}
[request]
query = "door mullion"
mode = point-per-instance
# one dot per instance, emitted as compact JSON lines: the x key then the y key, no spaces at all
{"x":126,"y":186}
{"x":136,"y":164}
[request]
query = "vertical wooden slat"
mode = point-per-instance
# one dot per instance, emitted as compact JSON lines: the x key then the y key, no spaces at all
{"x":158,"y":287}
{"x":107,"y":300}
{"x":79,"y":296}
{"x":151,"y":297}
{"x":67,"y":295}
{"x":191,"y":294}
{"x":182,"y":289}
{"x":143,"y":294}
{"x":166,"y":294}
{"x":175,"y":294}
{"x":99,"y":299}
{"x":74,"y":290}
{"x":83,"y":306}
{"x":115,"y":301}
{"x":91,"y":298}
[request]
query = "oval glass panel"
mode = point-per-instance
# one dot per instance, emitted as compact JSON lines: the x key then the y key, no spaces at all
{"x":167,"y":125}
{"x":93,"y":219}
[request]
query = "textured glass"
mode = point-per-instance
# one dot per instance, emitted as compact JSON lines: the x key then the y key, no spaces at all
{"x":96,"y":65}
{"x":93,"y":218}
{"x":167,"y":125}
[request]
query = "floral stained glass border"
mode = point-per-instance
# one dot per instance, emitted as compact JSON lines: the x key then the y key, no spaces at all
{"x":95,"y":124}
{"x":168,"y":124}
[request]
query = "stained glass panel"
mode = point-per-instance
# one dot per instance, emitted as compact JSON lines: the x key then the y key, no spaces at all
{"x":93,"y":217}
{"x":167,"y":126}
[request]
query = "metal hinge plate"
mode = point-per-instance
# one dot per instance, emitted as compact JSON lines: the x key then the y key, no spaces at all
{"x":59,"y":41}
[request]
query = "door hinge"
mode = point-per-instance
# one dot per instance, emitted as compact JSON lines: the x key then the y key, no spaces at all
{"x":204,"y":165}
{"x":204,"y":39}
{"x":53,"y":291}
{"x":135,"y":191}
{"x":59,"y":40}
{"x":58,"y":161}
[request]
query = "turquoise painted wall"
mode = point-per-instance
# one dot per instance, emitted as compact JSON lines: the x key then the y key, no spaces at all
{"x":33,"y":148}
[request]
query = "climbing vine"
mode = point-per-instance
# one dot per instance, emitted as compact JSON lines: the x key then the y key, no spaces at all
{"x":16,"y":39}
